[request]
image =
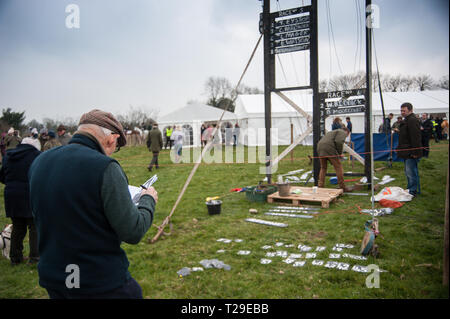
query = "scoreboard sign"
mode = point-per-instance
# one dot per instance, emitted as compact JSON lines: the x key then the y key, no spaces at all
{"x":290,"y":30}
{"x":339,"y":103}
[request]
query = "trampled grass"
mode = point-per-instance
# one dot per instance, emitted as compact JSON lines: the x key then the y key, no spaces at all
{"x":410,"y":244}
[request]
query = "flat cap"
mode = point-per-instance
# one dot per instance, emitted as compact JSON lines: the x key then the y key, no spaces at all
{"x":51,"y":133}
{"x":106,"y":120}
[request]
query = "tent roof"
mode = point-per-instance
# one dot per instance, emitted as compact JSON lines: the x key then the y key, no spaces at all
{"x":196,"y":112}
{"x":422,"y":101}
{"x":425,"y":101}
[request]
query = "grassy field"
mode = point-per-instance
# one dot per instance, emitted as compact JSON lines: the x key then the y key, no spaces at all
{"x":411,"y":241}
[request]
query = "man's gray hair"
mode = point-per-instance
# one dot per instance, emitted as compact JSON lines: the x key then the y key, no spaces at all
{"x":98,"y":129}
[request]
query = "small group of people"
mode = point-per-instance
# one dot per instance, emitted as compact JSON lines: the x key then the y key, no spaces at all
{"x":338,"y":124}
{"x":207,"y":132}
{"x":174,"y":136}
{"x":17,"y":156}
{"x":430,"y":128}
{"x":90,"y":213}
{"x":231,"y":134}
{"x":411,"y":147}
{"x":436,"y":128}
{"x":75,"y":234}
{"x":47,"y":138}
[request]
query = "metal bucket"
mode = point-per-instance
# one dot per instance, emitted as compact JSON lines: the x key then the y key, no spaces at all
{"x":284,"y":189}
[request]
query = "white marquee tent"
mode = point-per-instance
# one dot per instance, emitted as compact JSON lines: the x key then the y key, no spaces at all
{"x":191,"y":117}
{"x":250,"y":113}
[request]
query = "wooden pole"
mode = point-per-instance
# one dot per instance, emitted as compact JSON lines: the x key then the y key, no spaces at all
{"x":368,"y":113}
{"x":314,"y":81}
{"x":291,"y":147}
{"x":269,"y":84}
{"x":292,"y":141}
{"x":445,"y":275}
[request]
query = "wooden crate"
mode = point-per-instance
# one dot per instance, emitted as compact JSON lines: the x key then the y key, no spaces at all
{"x":324,"y":196}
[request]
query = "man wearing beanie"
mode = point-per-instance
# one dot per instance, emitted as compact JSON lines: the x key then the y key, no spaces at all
{"x":12,"y":139}
{"x":51,"y":141}
{"x":63,"y":137}
{"x":90,"y":213}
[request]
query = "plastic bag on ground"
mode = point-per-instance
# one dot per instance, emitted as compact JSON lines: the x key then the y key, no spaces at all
{"x":394,"y":193}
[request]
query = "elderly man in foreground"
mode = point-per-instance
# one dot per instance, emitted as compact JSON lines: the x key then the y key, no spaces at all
{"x":88,"y":215}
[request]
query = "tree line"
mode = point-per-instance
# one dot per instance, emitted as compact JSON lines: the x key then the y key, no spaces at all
{"x":134,"y":117}
{"x":221,"y":94}
{"x":389,"y":83}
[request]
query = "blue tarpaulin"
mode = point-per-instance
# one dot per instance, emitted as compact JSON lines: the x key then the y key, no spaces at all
{"x":381,"y":146}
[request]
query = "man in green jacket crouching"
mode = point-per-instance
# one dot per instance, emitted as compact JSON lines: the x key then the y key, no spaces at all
{"x":330,"y":148}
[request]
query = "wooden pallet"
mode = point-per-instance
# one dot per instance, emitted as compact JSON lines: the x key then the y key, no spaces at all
{"x":324,"y":196}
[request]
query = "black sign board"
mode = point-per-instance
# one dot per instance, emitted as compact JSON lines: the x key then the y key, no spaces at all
{"x":338,"y":103}
{"x":290,"y":21}
{"x":344,"y":103}
{"x":289,"y":42}
{"x":290,"y":28}
{"x":294,"y":48}
{"x":342,"y":94}
{"x":290,"y":12}
{"x":345,"y":110}
{"x":290,"y":35}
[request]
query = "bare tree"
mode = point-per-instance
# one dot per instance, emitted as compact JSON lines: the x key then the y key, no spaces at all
{"x":407,"y":83}
{"x":137,"y":117}
{"x":392,"y":83}
{"x":36,"y":124}
{"x":244,"y":89}
{"x":221,"y":93}
{"x":50,"y":124}
{"x":443,"y":82}
{"x":323,"y":86}
{"x":424,"y":82}
{"x":217,"y":88}
{"x":345,"y":82}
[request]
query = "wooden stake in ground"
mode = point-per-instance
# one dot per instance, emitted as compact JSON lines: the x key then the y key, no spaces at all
{"x":445,"y":276}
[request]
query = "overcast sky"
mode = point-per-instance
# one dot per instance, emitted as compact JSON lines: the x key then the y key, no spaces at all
{"x":157,"y":55}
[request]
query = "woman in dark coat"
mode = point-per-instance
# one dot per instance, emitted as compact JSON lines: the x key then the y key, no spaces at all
{"x":14,"y":174}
